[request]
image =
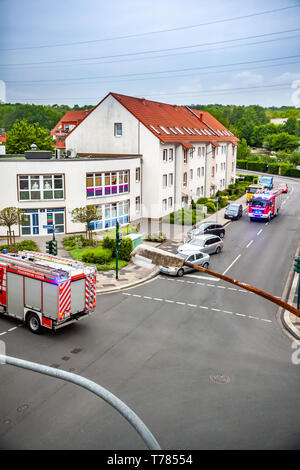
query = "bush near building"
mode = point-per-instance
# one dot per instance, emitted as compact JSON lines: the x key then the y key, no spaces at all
{"x":29,"y":245}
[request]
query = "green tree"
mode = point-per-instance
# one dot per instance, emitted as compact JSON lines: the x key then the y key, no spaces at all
{"x":243,"y":151}
{"x":282,"y":141}
{"x":295,"y":158}
{"x":291,"y":125}
{"x":23,"y":135}
{"x":10,"y":216}
{"x":86,"y":215}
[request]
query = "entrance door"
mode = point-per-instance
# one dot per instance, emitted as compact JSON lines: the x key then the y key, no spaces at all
{"x":30,"y":223}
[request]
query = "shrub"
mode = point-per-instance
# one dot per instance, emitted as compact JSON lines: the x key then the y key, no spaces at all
{"x":273,"y":168}
{"x":242,"y":164}
{"x":293,"y":172}
{"x":75,"y":240}
{"x":202,"y":200}
{"x":110,"y":243}
{"x":211,"y":208}
{"x":258,"y":166}
{"x":125,"y":249}
{"x":29,"y":245}
{"x":97,"y":255}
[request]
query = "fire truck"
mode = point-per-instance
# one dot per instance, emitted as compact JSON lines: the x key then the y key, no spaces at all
{"x":45,"y":291}
{"x":265,"y":205}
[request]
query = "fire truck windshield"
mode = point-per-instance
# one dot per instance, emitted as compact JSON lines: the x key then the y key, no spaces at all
{"x":259,"y":202}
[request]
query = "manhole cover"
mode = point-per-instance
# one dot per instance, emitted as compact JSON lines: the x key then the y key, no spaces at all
{"x":219,"y":379}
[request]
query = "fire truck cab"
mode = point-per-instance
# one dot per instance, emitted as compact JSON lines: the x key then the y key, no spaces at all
{"x":45,"y":291}
{"x":265,"y":205}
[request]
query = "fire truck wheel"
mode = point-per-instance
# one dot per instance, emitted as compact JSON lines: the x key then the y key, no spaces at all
{"x":33,"y":323}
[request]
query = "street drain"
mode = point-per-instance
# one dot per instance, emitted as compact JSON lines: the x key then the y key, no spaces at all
{"x":22,"y":408}
{"x":219,"y":379}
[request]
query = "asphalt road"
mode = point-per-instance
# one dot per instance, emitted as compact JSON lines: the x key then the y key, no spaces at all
{"x":204,"y":364}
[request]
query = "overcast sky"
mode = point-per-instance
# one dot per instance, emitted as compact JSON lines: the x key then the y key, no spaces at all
{"x":183,"y":52}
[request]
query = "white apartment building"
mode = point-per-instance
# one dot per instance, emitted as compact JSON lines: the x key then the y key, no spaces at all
{"x":48,"y":190}
{"x":185,"y":153}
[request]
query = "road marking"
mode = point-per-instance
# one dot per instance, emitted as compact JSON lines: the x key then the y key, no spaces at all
{"x":240,"y":314}
{"x":226,"y":311}
{"x":180,"y":303}
{"x":125,"y":293}
{"x":145,"y":297}
{"x":263,"y":319}
{"x":12,"y":329}
{"x":234,"y":261}
{"x":136,"y":295}
{"x":210,"y":285}
{"x":170,"y":301}
{"x":192,"y":305}
{"x":267,"y":224}
{"x":216,"y":309}
{"x":190,"y":282}
{"x":201,"y":277}
{"x":255,"y":318}
{"x":221,"y":287}
{"x":200,"y":283}
{"x":231,"y":288}
{"x":259,"y":231}
{"x":156,"y":298}
{"x":4,"y":333}
{"x":249,"y":244}
{"x":202,"y":306}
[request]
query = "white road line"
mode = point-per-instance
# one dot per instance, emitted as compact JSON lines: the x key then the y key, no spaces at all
{"x":145,"y":297}
{"x":156,"y":298}
{"x":126,"y":293}
{"x":234,"y":261}
{"x":242,"y":290}
{"x":221,"y":287}
{"x":190,"y":282}
{"x":202,"y":306}
{"x":136,"y":295}
{"x":192,"y":305}
{"x":180,"y":280}
{"x":12,"y":329}
{"x":259,"y":231}
{"x":170,"y":301}
{"x":263,"y":319}
{"x":267,"y":224}
{"x":180,"y":303}
{"x":240,"y":314}
{"x":216,"y":309}
{"x":4,"y":333}
{"x":202,"y":277}
{"x":255,"y":318}
{"x":249,"y":244}
{"x":210,"y":285}
{"x":200,"y":283}
{"x":226,"y":311}
{"x":231,"y":288}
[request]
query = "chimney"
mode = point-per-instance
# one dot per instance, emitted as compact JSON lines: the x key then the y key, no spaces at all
{"x":201,"y":117}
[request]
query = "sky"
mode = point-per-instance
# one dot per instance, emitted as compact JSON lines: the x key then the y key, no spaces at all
{"x":192,"y":52}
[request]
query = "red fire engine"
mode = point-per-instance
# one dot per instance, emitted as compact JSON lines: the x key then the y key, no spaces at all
{"x":265,"y":204}
{"x":45,"y":291}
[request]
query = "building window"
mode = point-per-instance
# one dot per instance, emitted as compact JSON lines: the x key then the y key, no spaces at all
{"x":170,"y":179}
{"x":41,"y":221}
{"x":165,"y":155}
{"x":198,"y":191}
{"x":191,"y":152}
{"x":191,"y":174}
{"x":184,"y":179}
{"x":37,"y":187}
{"x":216,"y":167}
{"x":203,"y":151}
{"x":201,"y":190}
{"x":104,"y":184}
{"x":212,"y":171}
{"x":118,"y":129}
{"x":202,"y":170}
{"x":137,"y":175}
{"x":198,"y":172}
{"x":184,"y":156}
{"x":170,"y":155}
{"x":199,"y":151}
{"x":110,"y":214}
{"x":170,"y":203}
{"x":164,"y":204}
{"x":164,"y":181}
{"x":137,"y":204}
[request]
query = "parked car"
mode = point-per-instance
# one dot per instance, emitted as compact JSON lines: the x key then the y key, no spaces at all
{"x":234,"y":211}
{"x":200,"y":259}
{"x":284,"y":187}
{"x":204,"y":243}
{"x":207,"y":228}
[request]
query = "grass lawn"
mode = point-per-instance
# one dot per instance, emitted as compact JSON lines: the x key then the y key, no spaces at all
{"x":76,"y":254}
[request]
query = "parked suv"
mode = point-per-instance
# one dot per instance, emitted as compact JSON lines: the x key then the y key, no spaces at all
{"x":234,"y":211}
{"x":204,"y":243}
{"x":207,"y":229}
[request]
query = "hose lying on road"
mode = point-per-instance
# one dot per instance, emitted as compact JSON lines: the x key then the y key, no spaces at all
{"x":162,"y":258}
{"x":101,"y":392}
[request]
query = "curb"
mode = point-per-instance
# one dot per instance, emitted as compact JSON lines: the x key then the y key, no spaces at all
{"x":126,"y":286}
{"x":284,"y":315}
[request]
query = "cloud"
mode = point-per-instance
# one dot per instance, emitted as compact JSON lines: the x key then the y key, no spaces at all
{"x":249,"y":78}
{"x":286,"y":77}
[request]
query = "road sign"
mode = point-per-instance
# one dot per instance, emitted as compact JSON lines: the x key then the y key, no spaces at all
{"x":48,"y":226}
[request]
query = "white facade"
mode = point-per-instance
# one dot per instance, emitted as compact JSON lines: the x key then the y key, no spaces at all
{"x":96,"y":135}
{"x":48,"y":190}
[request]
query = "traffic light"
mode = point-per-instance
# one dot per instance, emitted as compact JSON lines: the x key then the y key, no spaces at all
{"x":297,"y":265}
{"x":49,"y":247}
{"x":54,"y":247}
{"x":119,"y":238}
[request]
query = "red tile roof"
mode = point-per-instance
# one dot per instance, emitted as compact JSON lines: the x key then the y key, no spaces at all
{"x":194,"y":125}
{"x":72,"y":117}
{"x":156,"y":114}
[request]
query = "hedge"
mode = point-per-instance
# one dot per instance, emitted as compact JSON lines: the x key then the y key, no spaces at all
{"x":293,"y":172}
{"x":97,"y":255}
{"x":29,"y":245}
{"x":125,"y":249}
{"x":258,"y":166}
{"x":242,"y":164}
{"x":273,"y":168}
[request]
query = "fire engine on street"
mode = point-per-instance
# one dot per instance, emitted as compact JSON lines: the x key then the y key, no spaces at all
{"x":45,"y":291}
{"x":265,"y":204}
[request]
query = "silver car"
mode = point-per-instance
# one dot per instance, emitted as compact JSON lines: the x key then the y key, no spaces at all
{"x":205,"y":243}
{"x":200,"y":259}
